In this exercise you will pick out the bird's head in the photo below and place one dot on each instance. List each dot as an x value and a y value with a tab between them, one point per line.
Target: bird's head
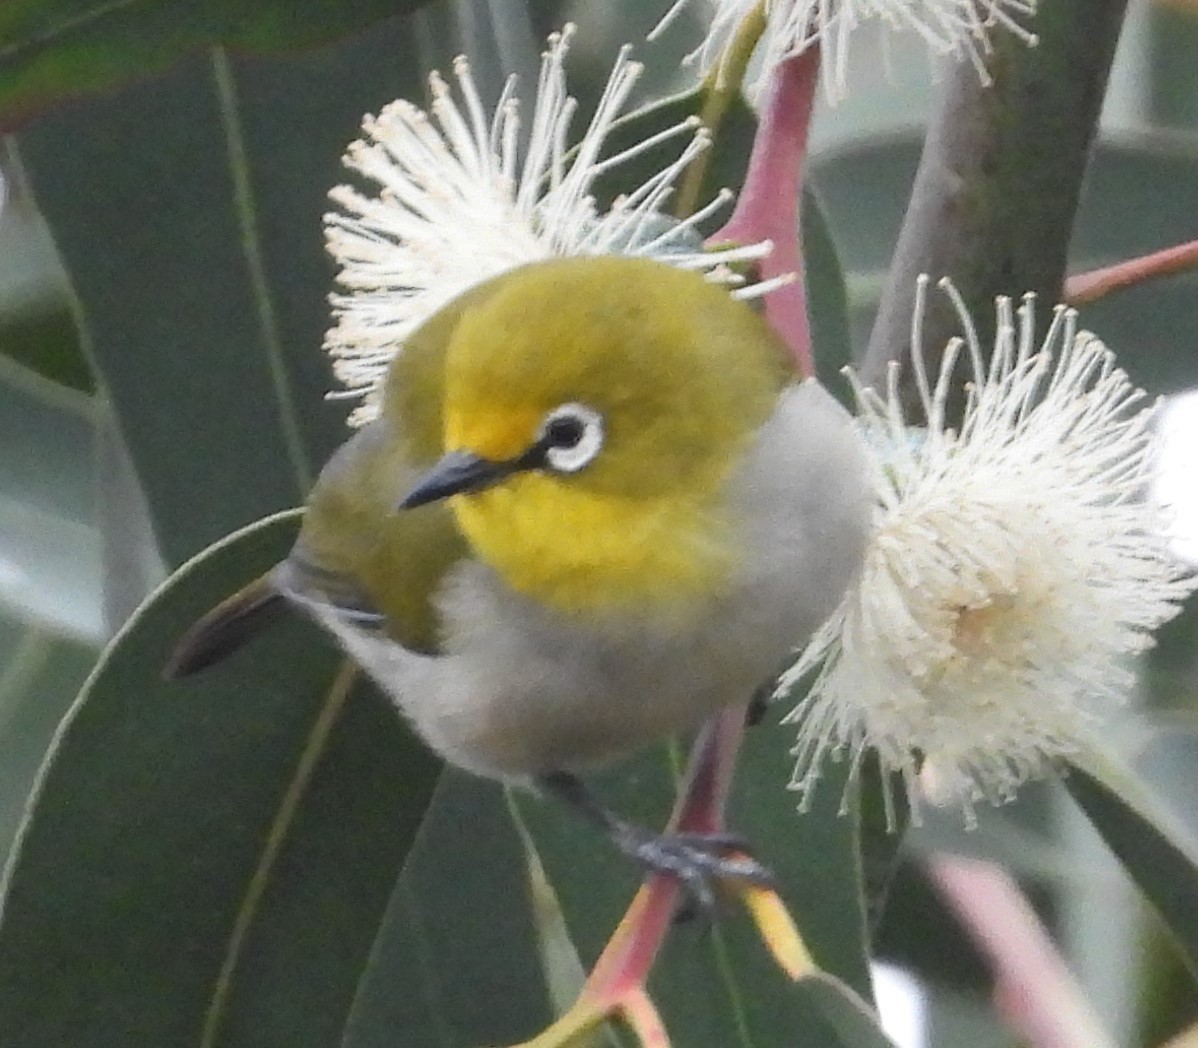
592	412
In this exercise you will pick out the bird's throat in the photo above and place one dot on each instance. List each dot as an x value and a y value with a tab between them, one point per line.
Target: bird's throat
595	555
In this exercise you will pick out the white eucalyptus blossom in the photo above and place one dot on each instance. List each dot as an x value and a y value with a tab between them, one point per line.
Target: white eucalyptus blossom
1015	564
459	201
959	29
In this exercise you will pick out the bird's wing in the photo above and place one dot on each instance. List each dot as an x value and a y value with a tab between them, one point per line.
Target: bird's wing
358	558
377	566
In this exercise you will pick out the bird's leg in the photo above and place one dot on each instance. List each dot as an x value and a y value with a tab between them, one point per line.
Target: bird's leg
759	705
697	859
615	988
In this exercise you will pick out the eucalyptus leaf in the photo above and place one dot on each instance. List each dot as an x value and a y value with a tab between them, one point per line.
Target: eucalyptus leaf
716	985
455	961
41	675
187	215
885	816
1156	849
51	50
854	1024
827	298
208	859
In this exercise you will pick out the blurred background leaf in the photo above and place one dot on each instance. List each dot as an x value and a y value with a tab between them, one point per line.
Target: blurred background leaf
51	50
199	852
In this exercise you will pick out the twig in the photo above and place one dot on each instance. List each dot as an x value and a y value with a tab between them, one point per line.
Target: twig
1090	287
1034	990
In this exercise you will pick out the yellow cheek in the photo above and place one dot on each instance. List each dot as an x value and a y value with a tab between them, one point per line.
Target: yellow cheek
498	435
580	552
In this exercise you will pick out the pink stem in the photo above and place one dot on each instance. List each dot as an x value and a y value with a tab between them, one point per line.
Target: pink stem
1034	990
1089	287
700	809
768	205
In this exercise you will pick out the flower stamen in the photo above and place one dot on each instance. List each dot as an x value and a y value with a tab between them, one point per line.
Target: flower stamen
960	29
1017	563
459	202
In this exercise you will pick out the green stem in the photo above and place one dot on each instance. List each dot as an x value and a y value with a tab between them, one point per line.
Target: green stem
720	89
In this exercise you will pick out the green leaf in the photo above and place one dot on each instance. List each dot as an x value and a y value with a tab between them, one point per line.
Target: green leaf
455	963
41	675
816	852
885	815
854	1024
827	298
208	858
187	214
1154	847
51	50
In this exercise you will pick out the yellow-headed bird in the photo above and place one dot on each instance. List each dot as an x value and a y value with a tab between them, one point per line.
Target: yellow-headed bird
596	508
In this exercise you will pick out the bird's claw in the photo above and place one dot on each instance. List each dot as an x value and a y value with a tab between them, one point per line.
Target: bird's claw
698	860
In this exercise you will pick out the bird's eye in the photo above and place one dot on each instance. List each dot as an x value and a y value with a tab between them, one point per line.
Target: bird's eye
571	435
564	431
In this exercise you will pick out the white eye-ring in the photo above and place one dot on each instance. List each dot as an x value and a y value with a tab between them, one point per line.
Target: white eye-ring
572	435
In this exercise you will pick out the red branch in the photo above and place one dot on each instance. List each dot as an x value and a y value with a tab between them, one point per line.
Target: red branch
768	205
1089	287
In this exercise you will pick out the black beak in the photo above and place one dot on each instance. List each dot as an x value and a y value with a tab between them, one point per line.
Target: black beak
458	472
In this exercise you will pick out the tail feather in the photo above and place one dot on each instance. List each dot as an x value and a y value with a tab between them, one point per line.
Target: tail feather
225	628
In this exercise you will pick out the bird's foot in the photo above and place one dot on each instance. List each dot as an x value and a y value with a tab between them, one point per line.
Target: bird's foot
700	861
697	854
616	988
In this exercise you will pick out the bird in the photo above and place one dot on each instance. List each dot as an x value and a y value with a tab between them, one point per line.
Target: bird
596	506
